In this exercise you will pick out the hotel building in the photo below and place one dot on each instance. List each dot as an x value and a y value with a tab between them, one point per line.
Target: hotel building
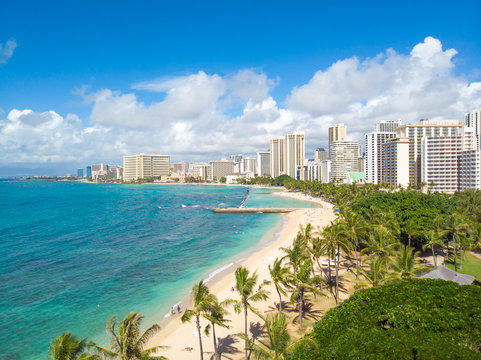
287	155
144	166
201	171
374	142
219	169
336	133
264	163
396	162
320	155
344	155
416	133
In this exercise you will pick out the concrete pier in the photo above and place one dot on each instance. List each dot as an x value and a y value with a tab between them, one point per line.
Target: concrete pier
252	210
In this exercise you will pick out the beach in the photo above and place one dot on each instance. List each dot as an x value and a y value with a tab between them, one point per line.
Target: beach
182	339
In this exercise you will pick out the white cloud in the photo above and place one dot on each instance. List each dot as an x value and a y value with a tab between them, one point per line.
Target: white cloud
6	51
191	118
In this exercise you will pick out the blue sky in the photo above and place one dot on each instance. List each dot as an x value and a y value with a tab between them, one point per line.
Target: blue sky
66	53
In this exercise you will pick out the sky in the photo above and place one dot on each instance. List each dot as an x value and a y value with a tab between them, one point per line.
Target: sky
91	81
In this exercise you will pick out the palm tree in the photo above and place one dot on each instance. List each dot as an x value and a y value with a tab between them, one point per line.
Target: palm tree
302	281
126	341
68	347
203	303
277	342
409	228
279	276
433	240
216	316
356	229
245	285
404	264
380	243
455	225
297	253
336	239
376	276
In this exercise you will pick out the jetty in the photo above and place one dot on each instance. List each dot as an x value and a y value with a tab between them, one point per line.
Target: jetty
252	210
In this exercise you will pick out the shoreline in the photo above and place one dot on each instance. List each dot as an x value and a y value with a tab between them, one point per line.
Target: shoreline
182	337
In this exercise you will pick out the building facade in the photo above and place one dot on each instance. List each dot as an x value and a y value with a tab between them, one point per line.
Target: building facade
396	162
320	155
326	171
473	120
264	163
415	134
344	155
219	169
287	155
144	166
80	173
336	133
374	158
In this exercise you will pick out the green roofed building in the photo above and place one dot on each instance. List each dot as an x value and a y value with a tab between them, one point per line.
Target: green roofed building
357	177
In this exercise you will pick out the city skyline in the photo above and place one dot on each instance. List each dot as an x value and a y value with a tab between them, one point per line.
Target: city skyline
61	108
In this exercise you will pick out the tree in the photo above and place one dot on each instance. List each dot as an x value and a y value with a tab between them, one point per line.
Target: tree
409	228
376	276
434	240
455	225
380	243
279	276
68	347
302	280
216	316
277	341
335	237
126	341
356	229
245	285
404	264
203	303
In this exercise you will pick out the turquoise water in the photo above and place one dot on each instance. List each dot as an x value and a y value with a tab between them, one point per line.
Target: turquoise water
68	247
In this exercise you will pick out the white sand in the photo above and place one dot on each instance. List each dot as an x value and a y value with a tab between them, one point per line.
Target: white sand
180	336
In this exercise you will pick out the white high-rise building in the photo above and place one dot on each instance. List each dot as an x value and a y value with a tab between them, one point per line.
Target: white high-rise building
396	162
447	162
415	134
144	166
264	163
336	133
313	171
388	126
287	155
473	120
201	171
249	165
344	155
326	171
374	158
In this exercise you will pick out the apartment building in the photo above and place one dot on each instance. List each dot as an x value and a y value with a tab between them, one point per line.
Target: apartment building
344	155
287	155
396	162
144	166
264	163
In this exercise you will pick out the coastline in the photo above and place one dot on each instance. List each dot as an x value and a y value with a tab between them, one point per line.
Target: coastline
181	337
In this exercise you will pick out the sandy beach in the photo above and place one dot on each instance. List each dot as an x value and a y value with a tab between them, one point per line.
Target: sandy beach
182	339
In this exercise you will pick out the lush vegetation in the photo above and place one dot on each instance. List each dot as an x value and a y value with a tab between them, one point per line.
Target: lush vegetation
409	319
471	265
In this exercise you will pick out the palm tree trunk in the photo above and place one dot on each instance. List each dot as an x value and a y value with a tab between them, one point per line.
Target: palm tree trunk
337	278
329	267
434	256
245	329
280	299
320	269
460	258
455	255
301	305
409	241
216	355
200	338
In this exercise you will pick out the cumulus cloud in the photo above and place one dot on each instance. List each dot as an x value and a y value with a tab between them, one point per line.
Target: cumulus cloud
6	51
193	119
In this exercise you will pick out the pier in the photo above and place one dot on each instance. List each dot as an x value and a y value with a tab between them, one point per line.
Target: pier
252	210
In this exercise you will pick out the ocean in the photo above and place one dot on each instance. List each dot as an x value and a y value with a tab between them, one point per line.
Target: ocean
73	254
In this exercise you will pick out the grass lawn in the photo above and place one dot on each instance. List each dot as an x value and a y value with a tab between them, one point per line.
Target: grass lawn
471	265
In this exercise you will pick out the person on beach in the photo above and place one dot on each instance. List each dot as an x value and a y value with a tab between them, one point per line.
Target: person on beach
178	309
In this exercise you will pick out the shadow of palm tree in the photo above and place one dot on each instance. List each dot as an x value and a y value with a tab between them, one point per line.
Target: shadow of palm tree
257	330
225	346
275	307
308	312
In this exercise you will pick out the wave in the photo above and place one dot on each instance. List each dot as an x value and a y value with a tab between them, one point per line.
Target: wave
184	206
216	271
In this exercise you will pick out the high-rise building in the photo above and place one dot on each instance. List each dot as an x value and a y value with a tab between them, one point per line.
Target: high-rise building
201	171
336	133
287	155
220	168
249	165
374	141
396	162
320	155
264	163
99	171
473	120
313	171
88	171
440	160
236	158
326	171
144	166
116	173
415	134
80	173
344	155
469	176
181	167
